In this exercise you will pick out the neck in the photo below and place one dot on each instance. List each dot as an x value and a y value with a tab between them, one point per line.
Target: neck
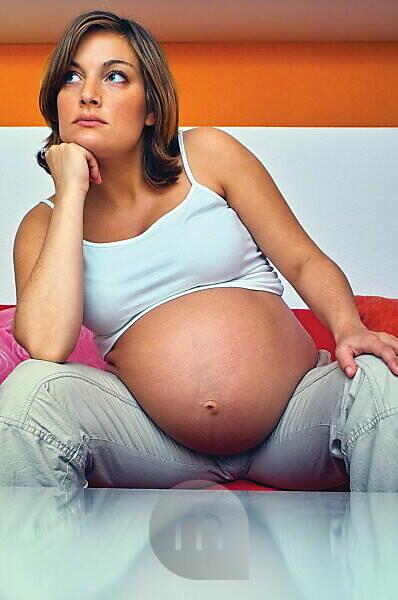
123	184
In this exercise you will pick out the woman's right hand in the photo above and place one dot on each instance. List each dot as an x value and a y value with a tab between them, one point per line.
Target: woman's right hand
72	167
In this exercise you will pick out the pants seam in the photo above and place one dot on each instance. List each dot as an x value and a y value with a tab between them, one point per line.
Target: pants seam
368	426
73	453
144	454
89	380
245	467
301	389
287	438
352	437
336	366
68	451
80	460
47	437
53	377
376	393
376	396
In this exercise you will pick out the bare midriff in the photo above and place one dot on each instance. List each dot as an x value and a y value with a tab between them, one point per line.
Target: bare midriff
216	368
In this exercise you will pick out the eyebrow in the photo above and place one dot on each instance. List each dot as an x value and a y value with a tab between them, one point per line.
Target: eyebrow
107	63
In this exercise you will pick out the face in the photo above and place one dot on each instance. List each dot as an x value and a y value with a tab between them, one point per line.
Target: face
116	97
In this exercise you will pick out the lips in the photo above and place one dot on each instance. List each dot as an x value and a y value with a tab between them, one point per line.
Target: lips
89	123
89	118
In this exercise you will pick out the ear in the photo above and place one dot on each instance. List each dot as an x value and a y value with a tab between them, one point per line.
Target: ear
150	119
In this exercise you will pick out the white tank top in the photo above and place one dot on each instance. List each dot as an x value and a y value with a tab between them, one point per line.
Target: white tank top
200	244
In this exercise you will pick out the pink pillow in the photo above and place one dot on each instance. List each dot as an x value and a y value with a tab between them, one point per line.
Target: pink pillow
12	353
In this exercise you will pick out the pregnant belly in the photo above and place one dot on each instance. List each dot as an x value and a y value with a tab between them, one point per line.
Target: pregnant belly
216	368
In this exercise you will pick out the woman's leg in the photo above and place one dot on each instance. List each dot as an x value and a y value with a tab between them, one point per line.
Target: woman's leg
335	431
71	424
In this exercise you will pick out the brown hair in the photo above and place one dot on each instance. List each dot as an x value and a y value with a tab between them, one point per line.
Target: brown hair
160	141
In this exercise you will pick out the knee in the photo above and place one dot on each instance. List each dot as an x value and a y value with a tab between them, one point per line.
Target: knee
29	372
383	384
19	388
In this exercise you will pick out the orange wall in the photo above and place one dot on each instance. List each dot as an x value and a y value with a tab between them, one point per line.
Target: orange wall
245	84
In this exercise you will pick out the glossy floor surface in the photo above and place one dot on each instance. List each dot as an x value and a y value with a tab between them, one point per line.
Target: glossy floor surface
196	543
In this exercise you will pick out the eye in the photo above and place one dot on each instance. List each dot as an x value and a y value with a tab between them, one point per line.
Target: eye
66	75
118	73
110	73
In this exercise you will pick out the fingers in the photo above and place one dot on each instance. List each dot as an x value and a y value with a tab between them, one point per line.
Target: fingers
97	180
379	343
386	353
390	358
393	341
350	371
346	361
95	174
387	350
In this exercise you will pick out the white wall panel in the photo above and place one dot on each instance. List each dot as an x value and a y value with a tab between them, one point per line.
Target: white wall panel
341	184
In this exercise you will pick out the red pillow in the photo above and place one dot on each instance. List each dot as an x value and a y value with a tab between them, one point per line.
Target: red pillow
378	313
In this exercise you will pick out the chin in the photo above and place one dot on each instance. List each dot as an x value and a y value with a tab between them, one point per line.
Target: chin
84	141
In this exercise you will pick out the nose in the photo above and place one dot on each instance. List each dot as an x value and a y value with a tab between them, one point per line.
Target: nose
89	96
87	99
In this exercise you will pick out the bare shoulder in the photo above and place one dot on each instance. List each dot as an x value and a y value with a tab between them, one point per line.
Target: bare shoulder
37	218
40	212
212	140
204	146
236	165
207	134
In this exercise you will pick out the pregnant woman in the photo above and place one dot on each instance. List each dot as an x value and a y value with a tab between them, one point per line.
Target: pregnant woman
157	240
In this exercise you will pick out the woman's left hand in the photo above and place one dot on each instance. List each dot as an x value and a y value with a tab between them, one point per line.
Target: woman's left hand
360	340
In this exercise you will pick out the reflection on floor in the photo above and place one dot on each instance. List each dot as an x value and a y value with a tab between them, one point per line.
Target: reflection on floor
197	543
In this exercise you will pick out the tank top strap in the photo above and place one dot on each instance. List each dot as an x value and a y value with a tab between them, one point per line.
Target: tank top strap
185	159
49	202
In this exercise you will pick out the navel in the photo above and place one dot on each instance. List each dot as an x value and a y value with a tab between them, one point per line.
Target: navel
211	407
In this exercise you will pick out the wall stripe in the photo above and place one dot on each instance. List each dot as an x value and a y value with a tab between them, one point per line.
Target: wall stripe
244	84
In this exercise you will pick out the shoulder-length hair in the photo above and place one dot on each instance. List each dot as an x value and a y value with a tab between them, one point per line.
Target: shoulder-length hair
160	148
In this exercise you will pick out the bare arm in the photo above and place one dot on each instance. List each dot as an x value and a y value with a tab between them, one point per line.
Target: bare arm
48	267
326	290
